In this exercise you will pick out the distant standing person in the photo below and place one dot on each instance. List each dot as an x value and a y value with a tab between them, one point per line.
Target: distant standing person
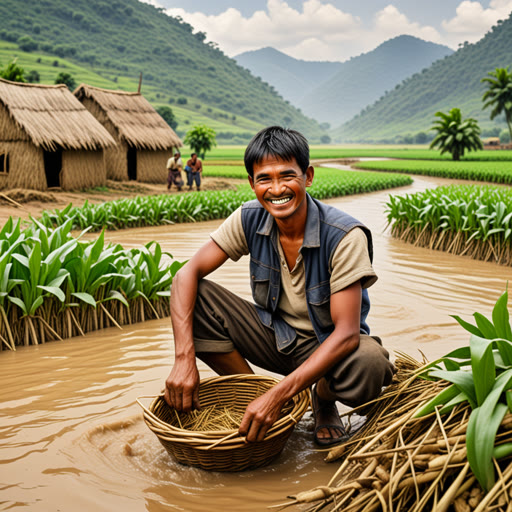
194	168
174	167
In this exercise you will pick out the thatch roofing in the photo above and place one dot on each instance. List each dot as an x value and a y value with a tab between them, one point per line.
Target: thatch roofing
52	117
136	121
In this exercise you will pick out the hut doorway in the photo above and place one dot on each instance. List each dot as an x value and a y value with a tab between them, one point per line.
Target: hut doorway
132	163
52	167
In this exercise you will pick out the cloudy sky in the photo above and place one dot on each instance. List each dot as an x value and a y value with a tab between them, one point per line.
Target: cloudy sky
335	29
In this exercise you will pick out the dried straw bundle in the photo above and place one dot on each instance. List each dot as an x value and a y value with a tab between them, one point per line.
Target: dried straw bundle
213	417
397	462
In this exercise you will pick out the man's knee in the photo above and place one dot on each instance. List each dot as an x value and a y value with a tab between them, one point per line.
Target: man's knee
361	377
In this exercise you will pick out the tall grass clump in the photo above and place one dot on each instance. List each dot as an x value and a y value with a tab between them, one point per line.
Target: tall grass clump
438	438
202	206
468	220
55	286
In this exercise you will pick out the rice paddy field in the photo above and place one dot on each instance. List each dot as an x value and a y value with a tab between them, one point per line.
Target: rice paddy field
409	152
496	171
473	220
208	205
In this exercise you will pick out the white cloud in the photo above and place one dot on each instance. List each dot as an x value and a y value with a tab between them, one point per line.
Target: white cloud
321	31
280	26
472	21
390	22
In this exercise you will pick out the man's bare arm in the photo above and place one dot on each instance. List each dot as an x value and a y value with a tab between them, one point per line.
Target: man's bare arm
182	385
345	312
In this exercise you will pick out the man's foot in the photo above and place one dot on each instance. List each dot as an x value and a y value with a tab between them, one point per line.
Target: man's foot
329	429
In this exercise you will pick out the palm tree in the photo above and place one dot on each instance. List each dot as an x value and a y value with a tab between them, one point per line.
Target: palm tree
455	135
499	95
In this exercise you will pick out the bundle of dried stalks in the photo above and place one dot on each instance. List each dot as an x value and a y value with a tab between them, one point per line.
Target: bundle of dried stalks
212	417
400	463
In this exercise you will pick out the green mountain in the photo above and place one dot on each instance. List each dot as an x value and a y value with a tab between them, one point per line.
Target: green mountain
293	78
363	79
120	39
450	82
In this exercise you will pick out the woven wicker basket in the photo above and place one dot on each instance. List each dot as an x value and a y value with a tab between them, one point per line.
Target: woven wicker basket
225	450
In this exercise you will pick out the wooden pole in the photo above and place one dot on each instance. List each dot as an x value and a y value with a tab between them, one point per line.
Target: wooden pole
140	82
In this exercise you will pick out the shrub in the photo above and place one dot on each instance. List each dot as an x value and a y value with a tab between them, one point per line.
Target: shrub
27	44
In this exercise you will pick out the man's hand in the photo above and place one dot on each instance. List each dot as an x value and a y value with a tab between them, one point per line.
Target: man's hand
182	387
260	415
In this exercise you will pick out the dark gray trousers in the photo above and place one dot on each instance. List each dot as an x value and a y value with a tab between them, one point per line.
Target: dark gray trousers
224	322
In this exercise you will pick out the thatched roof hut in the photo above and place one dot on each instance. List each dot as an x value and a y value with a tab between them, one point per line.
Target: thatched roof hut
48	138
144	140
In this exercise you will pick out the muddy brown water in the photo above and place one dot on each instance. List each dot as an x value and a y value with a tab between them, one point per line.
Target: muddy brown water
71	435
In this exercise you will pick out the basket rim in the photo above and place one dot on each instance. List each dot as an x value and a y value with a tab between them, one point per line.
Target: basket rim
205	439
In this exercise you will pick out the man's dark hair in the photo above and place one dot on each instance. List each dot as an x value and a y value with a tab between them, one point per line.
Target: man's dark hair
193	154
277	142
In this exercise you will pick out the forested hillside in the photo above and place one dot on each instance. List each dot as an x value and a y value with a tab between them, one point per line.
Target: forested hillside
363	79
454	81
123	38
293	78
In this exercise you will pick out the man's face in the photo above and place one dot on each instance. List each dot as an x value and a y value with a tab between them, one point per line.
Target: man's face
280	186
176	156
193	158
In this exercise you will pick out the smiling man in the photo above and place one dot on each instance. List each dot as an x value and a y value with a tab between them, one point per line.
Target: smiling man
310	267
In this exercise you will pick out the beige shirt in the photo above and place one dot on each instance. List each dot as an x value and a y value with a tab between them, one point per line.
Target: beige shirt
350	263
175	164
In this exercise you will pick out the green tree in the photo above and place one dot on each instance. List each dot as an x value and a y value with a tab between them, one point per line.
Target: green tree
455	135
67	79
168	116
27	44
13	72
33	77
505	136
499	94
420	138
201	139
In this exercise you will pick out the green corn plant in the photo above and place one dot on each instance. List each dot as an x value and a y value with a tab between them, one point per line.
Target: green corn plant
168	209
480	374
51	282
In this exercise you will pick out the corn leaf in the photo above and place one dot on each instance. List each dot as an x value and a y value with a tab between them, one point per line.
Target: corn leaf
484	369
501	319
469	327
54	290
505	351
85	297
488	330
442	398
463	380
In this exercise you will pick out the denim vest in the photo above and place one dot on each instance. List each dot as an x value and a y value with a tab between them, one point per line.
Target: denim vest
325	227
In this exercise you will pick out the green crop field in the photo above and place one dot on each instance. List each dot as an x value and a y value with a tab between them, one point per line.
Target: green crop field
55	286
461	219
207	205
370	151
495	172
